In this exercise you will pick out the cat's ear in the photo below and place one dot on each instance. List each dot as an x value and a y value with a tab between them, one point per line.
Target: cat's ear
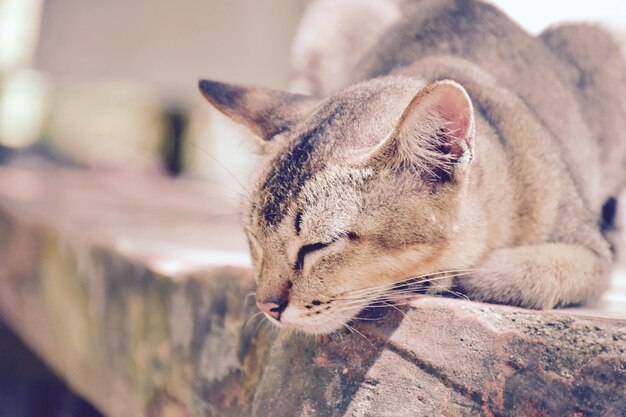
264	112
434	135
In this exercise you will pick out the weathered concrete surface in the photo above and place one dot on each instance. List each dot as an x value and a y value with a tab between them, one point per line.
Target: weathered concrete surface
139	337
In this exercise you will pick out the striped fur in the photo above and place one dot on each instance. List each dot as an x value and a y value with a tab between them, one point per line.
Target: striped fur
454	144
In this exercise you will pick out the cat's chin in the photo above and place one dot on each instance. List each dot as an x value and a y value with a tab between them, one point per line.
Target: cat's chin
315	324
316	329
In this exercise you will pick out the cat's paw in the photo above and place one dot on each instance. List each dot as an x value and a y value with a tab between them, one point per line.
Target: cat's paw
517	288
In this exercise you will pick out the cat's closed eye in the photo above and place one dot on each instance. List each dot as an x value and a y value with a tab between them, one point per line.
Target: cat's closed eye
308	249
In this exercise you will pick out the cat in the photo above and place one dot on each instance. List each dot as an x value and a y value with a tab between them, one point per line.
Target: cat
458	148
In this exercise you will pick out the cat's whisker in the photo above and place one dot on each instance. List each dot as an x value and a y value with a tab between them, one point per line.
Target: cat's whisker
207	153
394	306
393	295
368	302
354	330
237	197
184	227
418	280
382	286
350	318
332	335
396	288
222	197
268	323
248	296
260	323
379	293
389	293
348	303
216	217
347	326
244	305
455	293
412	278
360	318
252	318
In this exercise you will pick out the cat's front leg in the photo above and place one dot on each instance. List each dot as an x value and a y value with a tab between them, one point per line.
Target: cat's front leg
540	276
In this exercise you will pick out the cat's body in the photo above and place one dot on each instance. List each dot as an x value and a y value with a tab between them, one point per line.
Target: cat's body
503	175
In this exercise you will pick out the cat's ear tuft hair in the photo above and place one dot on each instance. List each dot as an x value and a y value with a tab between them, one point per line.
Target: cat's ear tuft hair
434	135
264	112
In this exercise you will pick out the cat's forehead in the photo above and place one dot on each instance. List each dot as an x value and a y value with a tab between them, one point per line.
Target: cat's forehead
328	201
347	123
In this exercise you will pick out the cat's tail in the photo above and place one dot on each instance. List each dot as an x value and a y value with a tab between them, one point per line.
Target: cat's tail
332	37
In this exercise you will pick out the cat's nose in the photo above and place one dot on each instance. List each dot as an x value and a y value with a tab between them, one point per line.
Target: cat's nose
273	306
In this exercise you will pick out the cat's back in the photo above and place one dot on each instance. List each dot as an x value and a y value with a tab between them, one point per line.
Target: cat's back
534	68
595	67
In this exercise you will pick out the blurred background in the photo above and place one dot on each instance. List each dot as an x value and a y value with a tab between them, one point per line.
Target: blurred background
112	85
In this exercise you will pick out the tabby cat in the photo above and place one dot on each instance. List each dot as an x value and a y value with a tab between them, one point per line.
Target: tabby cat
450	151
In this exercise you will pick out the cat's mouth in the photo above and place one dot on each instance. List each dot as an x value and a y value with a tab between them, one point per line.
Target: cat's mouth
342	311
330	318
319	321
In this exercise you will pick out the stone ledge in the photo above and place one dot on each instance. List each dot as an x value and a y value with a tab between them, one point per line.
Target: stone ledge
139	340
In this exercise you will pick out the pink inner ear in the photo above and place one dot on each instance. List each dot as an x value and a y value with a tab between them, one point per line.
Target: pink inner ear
453	106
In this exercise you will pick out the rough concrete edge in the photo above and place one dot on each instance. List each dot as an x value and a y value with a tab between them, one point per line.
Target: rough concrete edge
88	257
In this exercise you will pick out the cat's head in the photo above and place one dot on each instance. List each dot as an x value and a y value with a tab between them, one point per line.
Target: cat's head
356	191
